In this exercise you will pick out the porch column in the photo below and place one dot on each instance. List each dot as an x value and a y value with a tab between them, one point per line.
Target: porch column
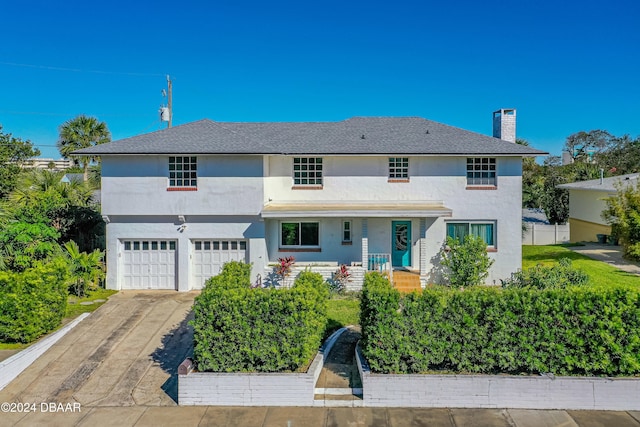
365	244
423	246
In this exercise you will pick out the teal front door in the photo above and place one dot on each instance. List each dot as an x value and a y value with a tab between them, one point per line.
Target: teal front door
401	245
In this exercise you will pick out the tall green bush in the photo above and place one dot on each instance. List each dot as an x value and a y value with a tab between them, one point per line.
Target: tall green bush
571	331
242	329
623	214
32	303
467	262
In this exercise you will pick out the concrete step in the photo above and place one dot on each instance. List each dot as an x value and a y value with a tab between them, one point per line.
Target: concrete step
346	398
406	281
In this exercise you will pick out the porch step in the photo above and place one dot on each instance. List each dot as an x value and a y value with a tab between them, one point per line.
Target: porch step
406	281
348	397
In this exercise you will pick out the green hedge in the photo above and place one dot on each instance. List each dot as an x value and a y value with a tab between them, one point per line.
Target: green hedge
33	302
572	331
240	329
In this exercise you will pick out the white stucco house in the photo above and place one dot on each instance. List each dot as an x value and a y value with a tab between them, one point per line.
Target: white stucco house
370	193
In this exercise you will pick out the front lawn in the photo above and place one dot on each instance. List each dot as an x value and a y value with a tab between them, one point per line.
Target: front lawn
599	272
342	310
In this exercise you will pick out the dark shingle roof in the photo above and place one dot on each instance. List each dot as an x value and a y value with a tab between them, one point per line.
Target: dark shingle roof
358	135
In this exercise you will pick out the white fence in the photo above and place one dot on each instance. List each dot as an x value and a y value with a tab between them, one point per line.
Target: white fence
545	234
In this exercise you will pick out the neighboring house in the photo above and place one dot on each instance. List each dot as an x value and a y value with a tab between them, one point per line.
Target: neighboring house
586	203
366	192
72	177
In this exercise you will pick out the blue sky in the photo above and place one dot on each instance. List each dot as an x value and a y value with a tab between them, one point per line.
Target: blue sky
566	66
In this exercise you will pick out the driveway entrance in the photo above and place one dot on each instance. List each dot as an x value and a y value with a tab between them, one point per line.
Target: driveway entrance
126	353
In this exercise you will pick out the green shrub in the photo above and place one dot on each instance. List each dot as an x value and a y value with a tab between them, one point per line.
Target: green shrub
572	331
467	262
32	303
234	274
242	329
560	275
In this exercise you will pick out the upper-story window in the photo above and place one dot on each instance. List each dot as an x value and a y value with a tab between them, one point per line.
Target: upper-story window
398	168
481	171
307	171
183	172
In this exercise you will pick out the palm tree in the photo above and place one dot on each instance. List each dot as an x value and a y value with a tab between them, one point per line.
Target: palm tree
82	132
87	269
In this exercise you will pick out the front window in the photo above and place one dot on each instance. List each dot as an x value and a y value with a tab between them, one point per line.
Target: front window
399	168
300	233
307	171
346	231
485	230
481	171
183	171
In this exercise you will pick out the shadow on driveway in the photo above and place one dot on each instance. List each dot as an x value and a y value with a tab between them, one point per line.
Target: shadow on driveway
177	345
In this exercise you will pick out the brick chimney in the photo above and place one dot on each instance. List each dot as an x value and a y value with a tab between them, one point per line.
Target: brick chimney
504	124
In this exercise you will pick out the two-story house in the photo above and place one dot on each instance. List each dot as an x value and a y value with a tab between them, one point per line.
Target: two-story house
371	193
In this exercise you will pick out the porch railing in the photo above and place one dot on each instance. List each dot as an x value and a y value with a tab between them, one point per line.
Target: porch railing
380	263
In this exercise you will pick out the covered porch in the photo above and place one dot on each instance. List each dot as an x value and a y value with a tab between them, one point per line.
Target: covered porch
386	237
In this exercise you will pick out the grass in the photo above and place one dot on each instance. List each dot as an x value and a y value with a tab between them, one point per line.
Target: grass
74	309
600	273
342	310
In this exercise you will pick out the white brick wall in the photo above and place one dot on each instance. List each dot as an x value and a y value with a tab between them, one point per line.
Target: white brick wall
327	271
498	391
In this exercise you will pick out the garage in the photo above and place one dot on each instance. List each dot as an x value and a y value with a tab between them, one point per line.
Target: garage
149	264
210	255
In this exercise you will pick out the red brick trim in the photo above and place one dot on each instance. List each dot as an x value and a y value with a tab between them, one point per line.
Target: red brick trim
299	249
347	243
182	188
307	187
492	250
481	187
398	180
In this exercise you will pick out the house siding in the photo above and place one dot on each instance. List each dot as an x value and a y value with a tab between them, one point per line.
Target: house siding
233	189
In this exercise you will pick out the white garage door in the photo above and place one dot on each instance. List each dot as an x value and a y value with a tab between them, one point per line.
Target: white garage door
210	255
149	264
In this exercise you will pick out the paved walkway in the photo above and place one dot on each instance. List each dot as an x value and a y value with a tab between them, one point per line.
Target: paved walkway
610	254
118	368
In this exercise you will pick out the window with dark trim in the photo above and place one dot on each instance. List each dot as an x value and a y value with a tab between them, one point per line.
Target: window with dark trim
346	231
481	171
307	171
300	234
399	168
485	230
183	171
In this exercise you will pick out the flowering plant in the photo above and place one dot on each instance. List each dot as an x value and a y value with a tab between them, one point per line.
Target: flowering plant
284	266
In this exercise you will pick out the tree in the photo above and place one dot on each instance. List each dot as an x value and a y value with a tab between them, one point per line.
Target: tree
86	269
41	197
532	180
584	146
623	215
14	152
467	261
623	158
82	132
554	200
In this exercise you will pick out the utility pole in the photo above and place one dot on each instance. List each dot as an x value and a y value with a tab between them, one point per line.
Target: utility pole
169	100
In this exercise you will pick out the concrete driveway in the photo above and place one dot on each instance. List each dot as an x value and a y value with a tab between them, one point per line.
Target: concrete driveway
126	353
